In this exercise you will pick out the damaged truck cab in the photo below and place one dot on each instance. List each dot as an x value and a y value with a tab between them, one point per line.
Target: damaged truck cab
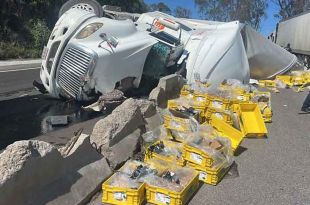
87	55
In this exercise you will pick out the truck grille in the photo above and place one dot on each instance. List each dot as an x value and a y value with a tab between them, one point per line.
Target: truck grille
74	66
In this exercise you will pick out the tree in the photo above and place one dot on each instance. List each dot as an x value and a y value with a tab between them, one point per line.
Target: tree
160	7
181	12
288	8
26	24
15	17
246	11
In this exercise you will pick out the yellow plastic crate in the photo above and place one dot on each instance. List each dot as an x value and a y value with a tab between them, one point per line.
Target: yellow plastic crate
160	165
307	77
252	122
199	157
236	90
197	100
173	159
209	175
186	89
122	196
217	103
287	79
241	98
267	114
174	105
176	123
212	113
179	136
265	107
162	196
227	131
267	83
297	80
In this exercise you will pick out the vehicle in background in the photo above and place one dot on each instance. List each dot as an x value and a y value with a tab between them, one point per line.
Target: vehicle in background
94	50
293	35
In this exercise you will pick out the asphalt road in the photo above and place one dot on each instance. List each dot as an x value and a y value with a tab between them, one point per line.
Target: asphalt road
17	80
275	170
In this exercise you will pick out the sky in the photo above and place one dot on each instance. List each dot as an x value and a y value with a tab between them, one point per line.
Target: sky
268	24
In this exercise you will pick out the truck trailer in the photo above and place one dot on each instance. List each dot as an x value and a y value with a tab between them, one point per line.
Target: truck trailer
293	34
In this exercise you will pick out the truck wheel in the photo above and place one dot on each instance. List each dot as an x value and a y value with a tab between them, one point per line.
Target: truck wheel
88	5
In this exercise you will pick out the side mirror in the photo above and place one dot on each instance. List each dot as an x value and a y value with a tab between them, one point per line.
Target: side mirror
113	41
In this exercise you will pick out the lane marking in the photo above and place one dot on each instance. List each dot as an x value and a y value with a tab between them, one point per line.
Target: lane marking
15	70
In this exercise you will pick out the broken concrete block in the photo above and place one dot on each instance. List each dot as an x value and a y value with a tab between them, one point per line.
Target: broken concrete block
125	119
124	149
172	85
25	167
64	150
77	156
153	122
147	107
34	172
78	187
159	97
58	120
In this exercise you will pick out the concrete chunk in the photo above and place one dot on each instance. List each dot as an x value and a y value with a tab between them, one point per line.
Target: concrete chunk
123	150
25	167
171	84
34	172
125	119
147	107
79	187
159	97
153	122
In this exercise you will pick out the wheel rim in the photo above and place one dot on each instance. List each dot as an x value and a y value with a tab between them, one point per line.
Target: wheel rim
85	7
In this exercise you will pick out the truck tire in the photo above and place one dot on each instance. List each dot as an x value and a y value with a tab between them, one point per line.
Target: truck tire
89	5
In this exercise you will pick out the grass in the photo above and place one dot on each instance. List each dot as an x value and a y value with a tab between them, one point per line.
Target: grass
16	51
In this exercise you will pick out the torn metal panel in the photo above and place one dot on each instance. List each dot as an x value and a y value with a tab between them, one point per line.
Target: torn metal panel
266	59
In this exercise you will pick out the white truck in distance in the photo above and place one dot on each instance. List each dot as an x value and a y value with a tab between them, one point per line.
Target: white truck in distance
93	50
293	34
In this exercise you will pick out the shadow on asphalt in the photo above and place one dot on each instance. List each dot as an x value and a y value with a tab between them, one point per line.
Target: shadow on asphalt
240	150
26	117
233	172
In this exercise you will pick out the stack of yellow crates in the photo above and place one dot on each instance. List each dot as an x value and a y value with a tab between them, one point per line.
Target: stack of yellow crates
200	134
155	182
211	157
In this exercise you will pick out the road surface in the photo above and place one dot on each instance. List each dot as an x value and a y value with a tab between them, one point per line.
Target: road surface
16	80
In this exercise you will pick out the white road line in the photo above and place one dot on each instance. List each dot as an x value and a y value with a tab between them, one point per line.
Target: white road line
21	69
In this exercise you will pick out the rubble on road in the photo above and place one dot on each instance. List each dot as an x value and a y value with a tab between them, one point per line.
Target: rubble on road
118	136
114	97
169	87
46	175
148	108
124	120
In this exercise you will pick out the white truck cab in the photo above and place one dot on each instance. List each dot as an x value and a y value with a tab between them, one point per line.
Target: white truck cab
88	55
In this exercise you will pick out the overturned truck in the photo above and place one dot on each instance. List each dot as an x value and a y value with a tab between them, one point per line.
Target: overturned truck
94	50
